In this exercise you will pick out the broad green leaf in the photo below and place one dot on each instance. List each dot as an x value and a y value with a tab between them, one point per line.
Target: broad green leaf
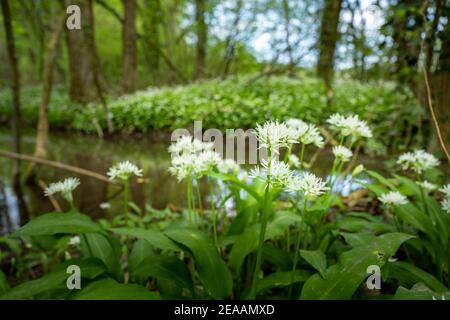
342	279
247	242
211	269
4	286
420	292
316	259
409	274
358	239
58	222
173	278
282	279
277	257
108	289
156	238
381	179
106	249
352	224
56	279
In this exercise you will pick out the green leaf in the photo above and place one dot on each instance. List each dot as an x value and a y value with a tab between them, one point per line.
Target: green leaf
381	179
106	249
282	279
342	279
172	275
58	222
408	274
316	259
156	238
420	292
358	239
211	269
109	289
4	286
56	279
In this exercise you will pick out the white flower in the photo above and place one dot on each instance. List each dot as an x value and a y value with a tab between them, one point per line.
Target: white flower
274	135
350	125
185	165
186	145
393	198
272	173
446	190
74	241
308	184
123	171
417	161
342	153
64	187
445	204
304	132
208	160
294	160
427	186
228	165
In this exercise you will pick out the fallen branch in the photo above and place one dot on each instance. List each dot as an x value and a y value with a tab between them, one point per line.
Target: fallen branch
55	164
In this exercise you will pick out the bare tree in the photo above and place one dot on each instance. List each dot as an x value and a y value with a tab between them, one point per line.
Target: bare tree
327	43
202	38
42	127
129	56
15	86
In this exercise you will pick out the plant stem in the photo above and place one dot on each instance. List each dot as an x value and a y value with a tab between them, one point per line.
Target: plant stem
125	200
213	213
262	234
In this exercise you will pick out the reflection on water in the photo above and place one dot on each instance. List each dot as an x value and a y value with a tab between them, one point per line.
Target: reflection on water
97	198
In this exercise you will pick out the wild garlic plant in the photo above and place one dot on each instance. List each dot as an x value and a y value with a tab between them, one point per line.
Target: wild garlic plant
65	188
122	172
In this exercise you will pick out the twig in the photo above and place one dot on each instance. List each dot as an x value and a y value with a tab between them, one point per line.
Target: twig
54	202
433	116
55	164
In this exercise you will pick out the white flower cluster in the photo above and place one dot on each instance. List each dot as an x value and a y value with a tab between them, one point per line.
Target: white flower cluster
427	186
308	184
192	158
393	198
273	135
305	133
417	161
274	173
342	153
74	241
445	203
64	187
123	171
350	125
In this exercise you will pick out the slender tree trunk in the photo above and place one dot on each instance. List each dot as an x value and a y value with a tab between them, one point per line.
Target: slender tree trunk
42	127
202	35
289	50
15	86
327	43
129	57
94	61
152	24
442	80
230	43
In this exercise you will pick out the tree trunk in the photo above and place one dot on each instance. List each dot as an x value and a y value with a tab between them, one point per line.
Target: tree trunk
129	58
230	42
327	43
79	71
15	86
94	61
442	80
42	127
286	13
202	35
152	25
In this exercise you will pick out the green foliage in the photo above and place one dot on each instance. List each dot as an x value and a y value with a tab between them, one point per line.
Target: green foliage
232	103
